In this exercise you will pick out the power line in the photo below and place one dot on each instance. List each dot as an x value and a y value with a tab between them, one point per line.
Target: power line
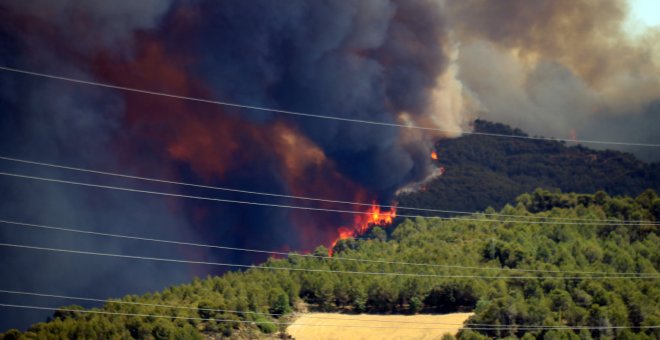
190	317
156	180
49	227
115	301
124	302
81	252
288	196
495	327
296	113
287	206
213	309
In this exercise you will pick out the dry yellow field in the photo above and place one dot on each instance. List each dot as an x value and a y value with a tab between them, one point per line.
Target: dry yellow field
307	326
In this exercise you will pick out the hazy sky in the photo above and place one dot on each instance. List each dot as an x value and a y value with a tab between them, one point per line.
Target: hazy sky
646	12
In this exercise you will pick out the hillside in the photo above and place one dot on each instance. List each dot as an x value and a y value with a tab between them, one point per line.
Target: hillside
503	295
484	171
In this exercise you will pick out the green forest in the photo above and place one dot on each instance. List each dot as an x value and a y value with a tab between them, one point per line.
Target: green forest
483	171
515	288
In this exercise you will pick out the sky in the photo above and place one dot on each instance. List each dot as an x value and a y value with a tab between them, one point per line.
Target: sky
645	12
559	68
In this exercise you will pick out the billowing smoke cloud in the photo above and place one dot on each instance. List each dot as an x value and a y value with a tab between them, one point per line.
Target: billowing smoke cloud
368	60
547	66
389	61
552	67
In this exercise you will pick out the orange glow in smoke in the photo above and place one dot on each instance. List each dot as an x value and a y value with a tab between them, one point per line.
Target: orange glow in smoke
434	156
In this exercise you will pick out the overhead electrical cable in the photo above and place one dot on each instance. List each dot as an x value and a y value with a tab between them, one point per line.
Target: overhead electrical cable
221	264
201	245
157	305
251	192
467	326
288	206
302	114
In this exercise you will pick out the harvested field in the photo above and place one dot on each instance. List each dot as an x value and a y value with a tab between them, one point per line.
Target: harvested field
307	326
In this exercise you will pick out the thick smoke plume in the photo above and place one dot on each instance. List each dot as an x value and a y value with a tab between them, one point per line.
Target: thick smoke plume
389	61
547	66
369	60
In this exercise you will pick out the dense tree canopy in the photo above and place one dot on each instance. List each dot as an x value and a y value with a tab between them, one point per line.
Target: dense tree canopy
579	239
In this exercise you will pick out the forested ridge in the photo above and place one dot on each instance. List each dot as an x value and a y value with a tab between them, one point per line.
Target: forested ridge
486	171
480	240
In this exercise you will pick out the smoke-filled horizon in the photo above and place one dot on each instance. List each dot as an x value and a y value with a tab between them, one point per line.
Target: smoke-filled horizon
431	62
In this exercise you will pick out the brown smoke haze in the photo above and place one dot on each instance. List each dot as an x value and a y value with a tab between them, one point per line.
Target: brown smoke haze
555	66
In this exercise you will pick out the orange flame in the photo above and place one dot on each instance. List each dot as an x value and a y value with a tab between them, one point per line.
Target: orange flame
364	222
344	233
434	156
373	217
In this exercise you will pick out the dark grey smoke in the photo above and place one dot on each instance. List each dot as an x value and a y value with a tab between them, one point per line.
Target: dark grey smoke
366	60
361	59
65	124
60	123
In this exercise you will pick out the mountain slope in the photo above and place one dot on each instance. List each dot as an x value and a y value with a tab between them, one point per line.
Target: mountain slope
544	299
484	171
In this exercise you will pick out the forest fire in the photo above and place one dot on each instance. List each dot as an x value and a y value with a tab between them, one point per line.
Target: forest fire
434	156
374	216
364	222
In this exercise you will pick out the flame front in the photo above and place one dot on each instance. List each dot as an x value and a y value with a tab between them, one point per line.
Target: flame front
344	233
434	156
374	217
364	222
